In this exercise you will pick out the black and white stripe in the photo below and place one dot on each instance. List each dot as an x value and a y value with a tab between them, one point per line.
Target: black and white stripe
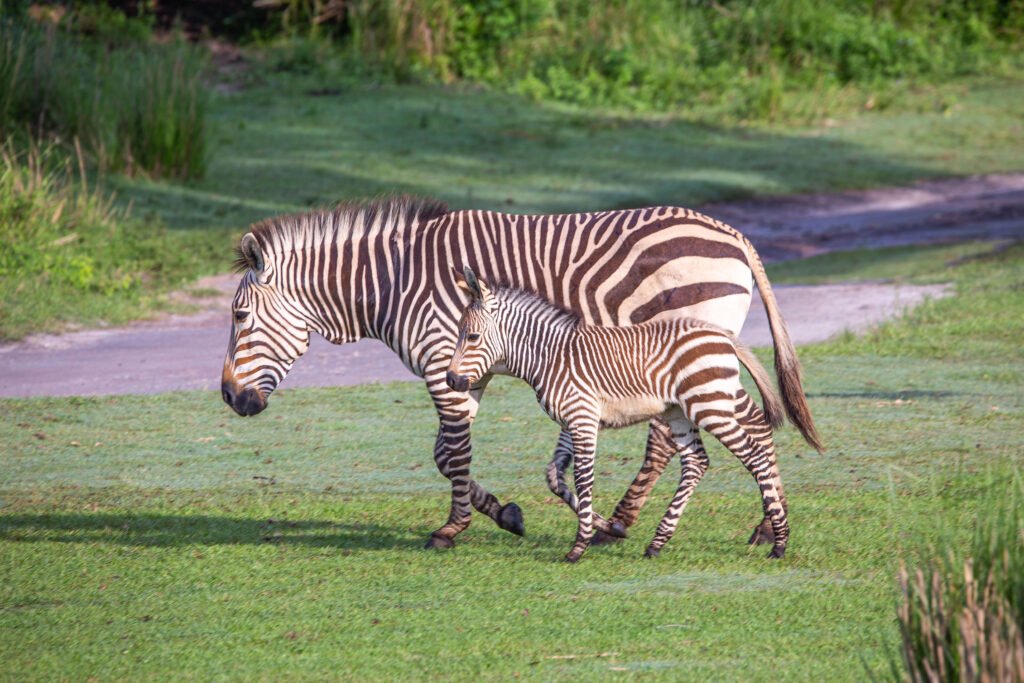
685	371
383	269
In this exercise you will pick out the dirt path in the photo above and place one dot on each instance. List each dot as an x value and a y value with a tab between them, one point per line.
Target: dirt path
186	352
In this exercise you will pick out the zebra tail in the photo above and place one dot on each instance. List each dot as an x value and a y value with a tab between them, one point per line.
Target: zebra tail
787	365
773	408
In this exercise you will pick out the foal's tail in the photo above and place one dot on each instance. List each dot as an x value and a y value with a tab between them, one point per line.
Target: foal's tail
787	366
773	408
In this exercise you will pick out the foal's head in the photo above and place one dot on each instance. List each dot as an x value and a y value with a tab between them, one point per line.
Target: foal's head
479	346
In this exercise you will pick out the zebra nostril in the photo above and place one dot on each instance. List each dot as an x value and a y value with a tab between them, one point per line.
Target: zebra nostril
228	395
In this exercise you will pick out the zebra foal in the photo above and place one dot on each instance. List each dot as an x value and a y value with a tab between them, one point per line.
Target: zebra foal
587	376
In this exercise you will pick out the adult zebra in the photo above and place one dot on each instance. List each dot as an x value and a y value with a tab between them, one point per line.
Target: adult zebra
384	269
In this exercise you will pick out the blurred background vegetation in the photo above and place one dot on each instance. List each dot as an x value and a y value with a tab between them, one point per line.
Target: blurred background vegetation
145	97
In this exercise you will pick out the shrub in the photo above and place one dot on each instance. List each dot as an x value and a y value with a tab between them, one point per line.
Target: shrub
740	58
962	619
67	254
137	109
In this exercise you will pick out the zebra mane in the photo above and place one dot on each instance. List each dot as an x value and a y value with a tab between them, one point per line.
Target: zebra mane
345	220
533	300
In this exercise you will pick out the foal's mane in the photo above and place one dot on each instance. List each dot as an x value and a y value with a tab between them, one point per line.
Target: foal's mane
534	300
345	220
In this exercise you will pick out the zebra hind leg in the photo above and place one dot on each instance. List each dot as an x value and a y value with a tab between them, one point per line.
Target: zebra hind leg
694	461
758	456
660	449
754	421
607	531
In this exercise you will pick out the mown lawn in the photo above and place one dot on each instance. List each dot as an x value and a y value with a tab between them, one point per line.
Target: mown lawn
161	537
288	143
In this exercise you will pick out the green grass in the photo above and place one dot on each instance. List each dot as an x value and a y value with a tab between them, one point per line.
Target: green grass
161	536
984	321
137	109
279	148
917	264
741	60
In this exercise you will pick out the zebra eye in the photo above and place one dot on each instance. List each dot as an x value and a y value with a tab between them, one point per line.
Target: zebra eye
240	316
473	337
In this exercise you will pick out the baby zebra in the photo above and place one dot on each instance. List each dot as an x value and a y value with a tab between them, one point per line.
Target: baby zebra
587	377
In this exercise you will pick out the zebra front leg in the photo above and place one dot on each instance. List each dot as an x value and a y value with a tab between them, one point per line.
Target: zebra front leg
660	449
694	463
452	455
607	532
759	458
584	441
510	516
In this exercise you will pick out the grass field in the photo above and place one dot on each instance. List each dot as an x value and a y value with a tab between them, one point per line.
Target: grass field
162	537
286	143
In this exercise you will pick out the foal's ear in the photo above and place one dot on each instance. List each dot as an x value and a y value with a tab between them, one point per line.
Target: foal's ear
460	280
250	253
477	288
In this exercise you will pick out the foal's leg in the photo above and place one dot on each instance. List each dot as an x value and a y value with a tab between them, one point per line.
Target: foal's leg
759	459
584	441
694	464
606	531
754	421
660	449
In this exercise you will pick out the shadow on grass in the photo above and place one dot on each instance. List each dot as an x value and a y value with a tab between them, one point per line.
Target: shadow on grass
155	530
907	395
182	530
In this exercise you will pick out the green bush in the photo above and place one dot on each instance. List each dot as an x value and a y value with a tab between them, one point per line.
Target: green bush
741	59
138	109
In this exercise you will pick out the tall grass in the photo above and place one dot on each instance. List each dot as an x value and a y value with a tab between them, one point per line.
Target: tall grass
138	109
742	58
962	618
67	254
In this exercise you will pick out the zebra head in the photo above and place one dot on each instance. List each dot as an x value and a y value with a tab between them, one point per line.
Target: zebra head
479	346
269	332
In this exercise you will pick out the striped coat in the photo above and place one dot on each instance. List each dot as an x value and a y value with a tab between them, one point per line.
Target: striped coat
685	371
383	270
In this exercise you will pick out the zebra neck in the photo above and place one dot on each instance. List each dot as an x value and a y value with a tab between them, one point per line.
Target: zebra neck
532	345
343	307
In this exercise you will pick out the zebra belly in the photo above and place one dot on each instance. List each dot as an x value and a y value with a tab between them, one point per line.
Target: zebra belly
622	411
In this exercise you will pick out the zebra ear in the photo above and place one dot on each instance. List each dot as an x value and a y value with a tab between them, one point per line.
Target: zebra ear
472	284
460	280
250	252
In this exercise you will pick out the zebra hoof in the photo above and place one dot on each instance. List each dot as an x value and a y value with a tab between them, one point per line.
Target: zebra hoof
651	553
573	557
618	530
763	534
776	553
510	518
439	542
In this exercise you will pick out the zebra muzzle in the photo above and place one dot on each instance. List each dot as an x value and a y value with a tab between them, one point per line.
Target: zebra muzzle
246	402
457	382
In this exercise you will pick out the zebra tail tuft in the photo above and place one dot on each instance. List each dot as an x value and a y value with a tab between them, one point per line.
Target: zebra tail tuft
787	365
